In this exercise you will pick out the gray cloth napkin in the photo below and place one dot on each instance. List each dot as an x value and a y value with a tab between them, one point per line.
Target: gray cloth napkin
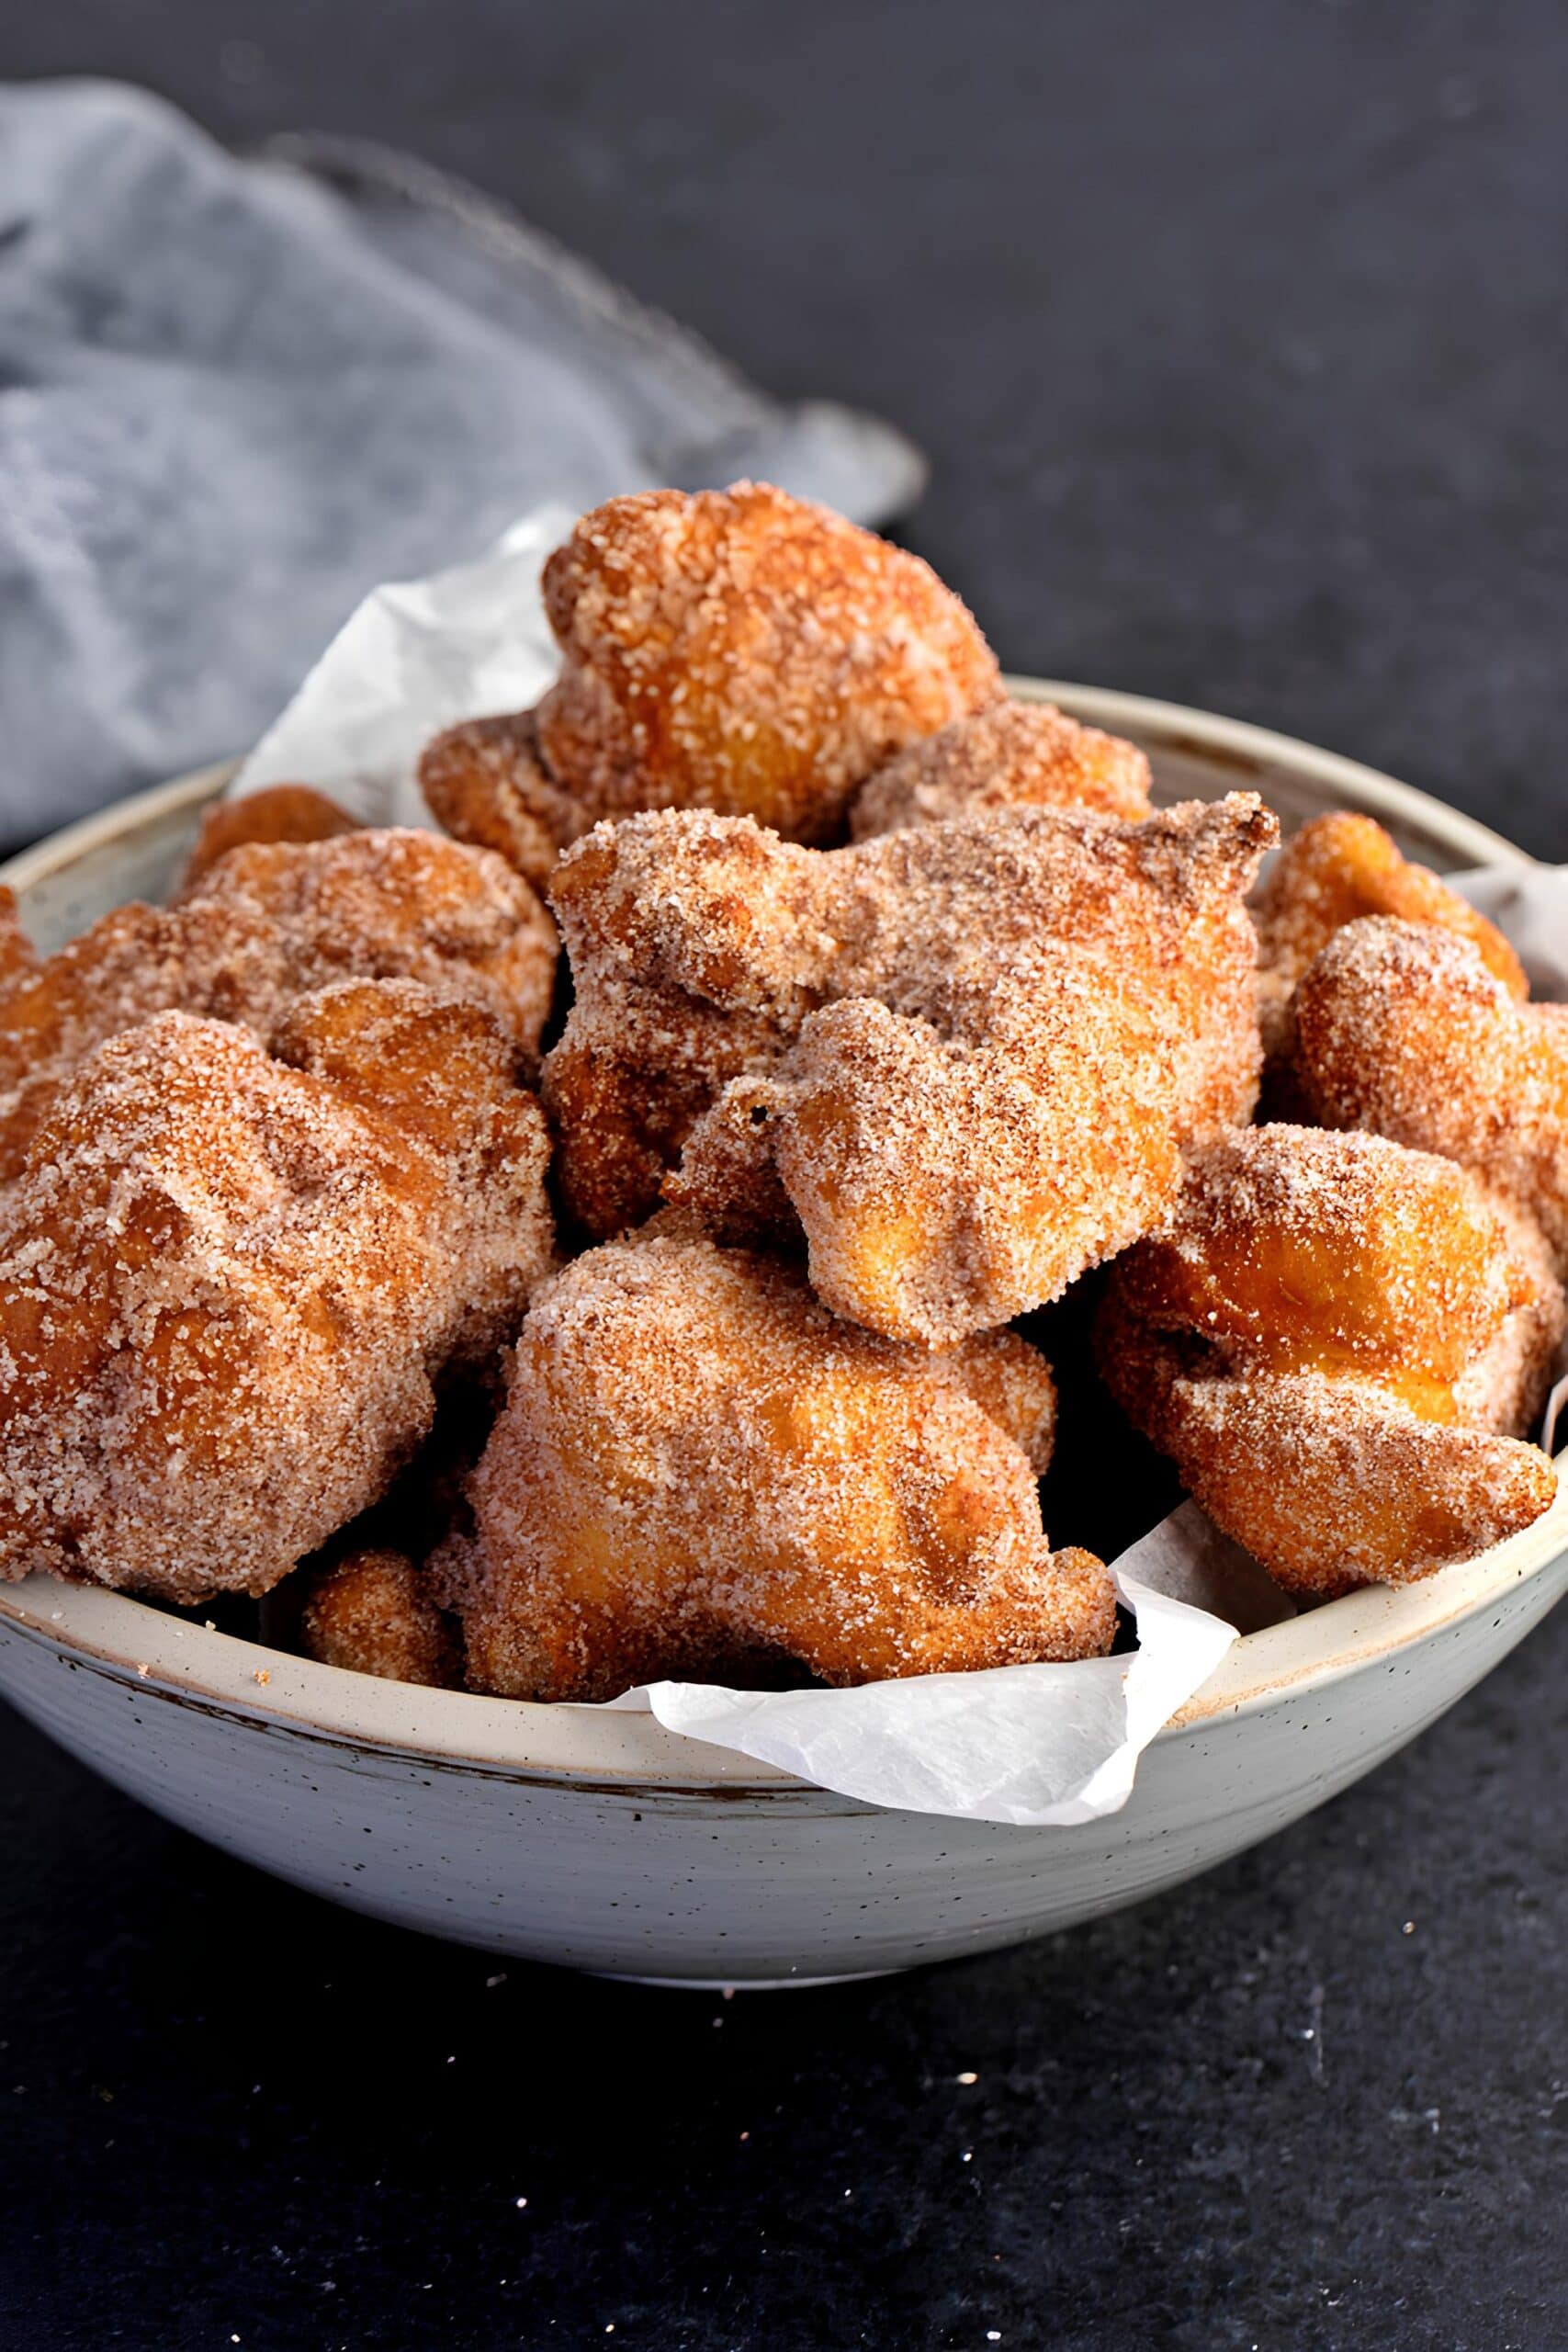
235	395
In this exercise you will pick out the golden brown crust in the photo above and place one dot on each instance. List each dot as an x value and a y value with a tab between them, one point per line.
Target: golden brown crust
226	1284
746	651
1337	1341
134	963
737	650
1009	755
280	812
267	925
443	1076
399	903
1011	1384
1403	1029
698	1466
1336	870
970	1054
373	1614
486	783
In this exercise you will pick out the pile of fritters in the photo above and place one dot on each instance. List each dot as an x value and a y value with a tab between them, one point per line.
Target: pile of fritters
552	1337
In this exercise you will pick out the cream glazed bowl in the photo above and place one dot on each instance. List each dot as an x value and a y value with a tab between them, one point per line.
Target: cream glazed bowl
606	1842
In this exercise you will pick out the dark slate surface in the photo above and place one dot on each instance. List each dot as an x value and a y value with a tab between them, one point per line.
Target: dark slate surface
1236	332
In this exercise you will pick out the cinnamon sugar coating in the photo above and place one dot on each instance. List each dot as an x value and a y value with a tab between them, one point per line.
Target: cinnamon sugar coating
737	650
486	783
1009	755
228	1280
1339	1342
266	924
1403	1030
398	903
373	1614
17	952
280	812
965	1059
699	1472
1337	869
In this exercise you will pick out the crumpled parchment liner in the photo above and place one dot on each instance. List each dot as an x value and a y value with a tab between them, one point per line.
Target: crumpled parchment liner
1029	1745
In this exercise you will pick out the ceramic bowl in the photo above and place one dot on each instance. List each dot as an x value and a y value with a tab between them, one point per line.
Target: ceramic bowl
606	1842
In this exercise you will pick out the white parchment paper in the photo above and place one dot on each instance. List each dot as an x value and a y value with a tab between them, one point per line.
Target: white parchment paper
416	656
1032	1745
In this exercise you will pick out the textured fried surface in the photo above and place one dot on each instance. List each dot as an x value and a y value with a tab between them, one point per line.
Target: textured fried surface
965	1057
1009	755
16	954
1337	1339
485	783
282	812
1403	1030
698	1471
269	924
373	1614
1338	868
399	903
737	650
226	1284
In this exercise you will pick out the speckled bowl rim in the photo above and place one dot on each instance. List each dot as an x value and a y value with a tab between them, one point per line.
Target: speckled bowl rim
127	1640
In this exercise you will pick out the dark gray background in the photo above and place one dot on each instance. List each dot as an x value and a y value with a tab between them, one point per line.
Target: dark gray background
1235	330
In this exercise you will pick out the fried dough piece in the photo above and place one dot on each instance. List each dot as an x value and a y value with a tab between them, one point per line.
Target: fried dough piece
735	650
1404	1030
1337	869
396	902
965	1058
227	1284
486	783
1009	755
17	952
1339	1342
269	924
698	1471
373	1613
280	812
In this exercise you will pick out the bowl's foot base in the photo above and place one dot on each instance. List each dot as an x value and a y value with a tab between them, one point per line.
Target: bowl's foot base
726	1985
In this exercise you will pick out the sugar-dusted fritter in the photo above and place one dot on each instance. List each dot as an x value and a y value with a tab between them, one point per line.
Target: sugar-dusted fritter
737	650
700	1472
1336	870
965	1058
268	924
1009	755
486	783
399	903
373	1613
1406	1031
229	1279
1340	1341
280	812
